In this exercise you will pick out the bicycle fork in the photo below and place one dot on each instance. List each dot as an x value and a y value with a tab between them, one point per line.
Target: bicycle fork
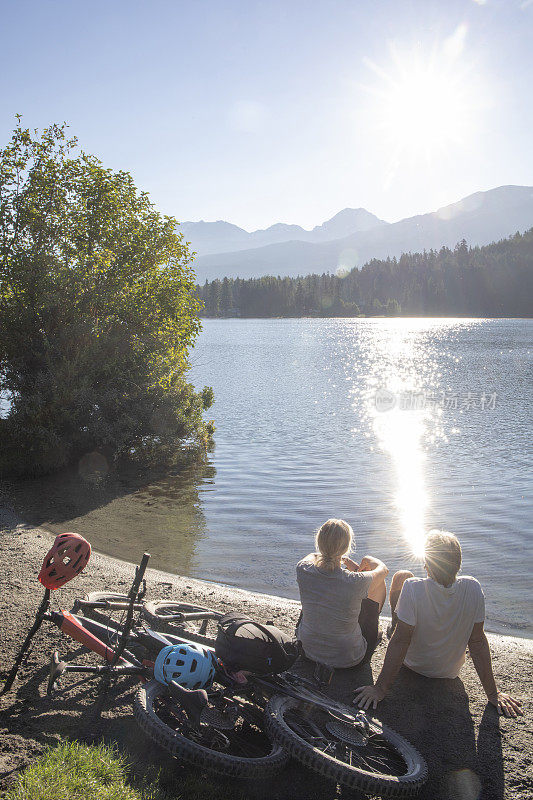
41	615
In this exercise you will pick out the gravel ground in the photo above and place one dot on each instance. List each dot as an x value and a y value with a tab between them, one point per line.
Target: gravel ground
471	753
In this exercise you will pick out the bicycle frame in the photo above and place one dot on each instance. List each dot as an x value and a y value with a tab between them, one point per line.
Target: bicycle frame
119	661
69	624
292	685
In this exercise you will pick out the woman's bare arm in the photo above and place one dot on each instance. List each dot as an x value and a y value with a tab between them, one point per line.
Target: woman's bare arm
370	566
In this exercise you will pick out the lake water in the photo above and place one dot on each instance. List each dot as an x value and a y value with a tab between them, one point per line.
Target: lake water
396	425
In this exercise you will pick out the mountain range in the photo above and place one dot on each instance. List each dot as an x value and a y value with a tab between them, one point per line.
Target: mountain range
209	238
354	236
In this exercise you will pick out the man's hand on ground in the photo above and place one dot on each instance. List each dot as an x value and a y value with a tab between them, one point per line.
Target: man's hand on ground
366	696
506	705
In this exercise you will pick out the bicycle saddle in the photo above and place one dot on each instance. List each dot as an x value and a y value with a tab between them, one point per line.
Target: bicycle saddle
193	701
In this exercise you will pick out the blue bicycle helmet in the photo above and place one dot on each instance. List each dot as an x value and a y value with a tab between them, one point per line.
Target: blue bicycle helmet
190	665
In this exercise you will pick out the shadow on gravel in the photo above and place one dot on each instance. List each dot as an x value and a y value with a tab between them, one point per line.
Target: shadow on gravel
490	756
91	711
433	715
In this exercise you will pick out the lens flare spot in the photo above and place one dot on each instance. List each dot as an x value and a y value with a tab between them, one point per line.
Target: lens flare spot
463	784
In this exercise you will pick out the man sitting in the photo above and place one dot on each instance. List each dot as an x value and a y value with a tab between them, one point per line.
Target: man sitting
434	620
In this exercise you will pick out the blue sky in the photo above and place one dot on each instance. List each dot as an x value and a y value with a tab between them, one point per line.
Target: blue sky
258	112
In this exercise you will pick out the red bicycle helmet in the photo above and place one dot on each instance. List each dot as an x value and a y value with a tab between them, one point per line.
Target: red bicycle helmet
66	558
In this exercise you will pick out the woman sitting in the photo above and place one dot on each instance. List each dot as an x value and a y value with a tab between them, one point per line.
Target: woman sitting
341	600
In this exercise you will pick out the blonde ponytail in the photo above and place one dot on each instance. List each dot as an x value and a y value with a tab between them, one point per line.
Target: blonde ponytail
333	540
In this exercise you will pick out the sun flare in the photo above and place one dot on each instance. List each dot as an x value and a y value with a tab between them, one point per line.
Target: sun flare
425	103
424	108
400	433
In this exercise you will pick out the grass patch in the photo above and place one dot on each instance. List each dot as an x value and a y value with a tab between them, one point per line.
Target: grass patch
74	771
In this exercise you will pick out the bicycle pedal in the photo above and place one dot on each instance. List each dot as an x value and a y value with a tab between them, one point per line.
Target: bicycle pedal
221	720
57	668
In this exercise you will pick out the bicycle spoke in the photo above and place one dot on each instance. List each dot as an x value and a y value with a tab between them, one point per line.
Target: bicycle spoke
374	754
244	740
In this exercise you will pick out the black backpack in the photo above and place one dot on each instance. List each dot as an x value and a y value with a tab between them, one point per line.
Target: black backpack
242	643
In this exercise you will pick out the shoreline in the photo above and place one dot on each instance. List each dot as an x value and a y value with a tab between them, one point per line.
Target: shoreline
512	630
448	721
504	627
501	629
370	316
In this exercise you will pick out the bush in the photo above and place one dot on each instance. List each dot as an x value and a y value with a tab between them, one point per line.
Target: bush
97	312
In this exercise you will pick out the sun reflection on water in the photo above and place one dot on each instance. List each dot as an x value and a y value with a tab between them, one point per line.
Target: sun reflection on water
400	434
399	353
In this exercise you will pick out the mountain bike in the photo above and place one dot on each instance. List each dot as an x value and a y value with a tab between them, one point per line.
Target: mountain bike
129	649
236	729
329	737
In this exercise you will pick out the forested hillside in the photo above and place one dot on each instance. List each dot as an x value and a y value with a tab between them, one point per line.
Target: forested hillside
480	218
495	280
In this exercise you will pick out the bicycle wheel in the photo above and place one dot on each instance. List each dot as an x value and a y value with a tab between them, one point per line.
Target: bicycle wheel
165	615
231	741
377	760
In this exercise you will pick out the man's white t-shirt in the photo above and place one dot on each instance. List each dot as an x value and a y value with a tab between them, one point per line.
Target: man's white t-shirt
443	618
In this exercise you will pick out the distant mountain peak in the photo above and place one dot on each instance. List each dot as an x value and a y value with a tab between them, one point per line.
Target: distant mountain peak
346	222
481	218
209	238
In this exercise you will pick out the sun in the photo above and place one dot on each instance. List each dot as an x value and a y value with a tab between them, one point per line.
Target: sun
424	108
425	102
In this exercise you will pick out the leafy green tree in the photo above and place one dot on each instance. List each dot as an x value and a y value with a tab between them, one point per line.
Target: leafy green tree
214	298
97	311
299	299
